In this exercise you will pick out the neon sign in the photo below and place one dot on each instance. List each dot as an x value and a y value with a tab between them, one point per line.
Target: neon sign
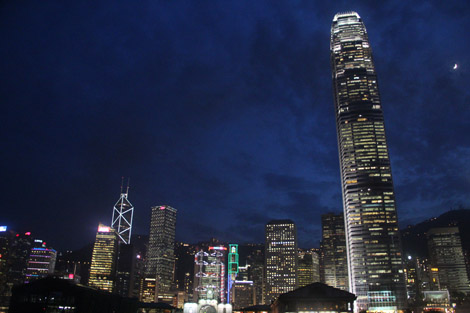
103	229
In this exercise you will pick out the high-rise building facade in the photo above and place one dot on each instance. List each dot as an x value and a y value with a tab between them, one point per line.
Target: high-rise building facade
334	263
123	214
373	242
281	258
316	264
160	258
305	268
103	259
445	251
15	249
41	263
210	274
256	272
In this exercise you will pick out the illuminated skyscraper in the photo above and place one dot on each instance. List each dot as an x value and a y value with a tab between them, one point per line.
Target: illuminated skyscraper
41	263
103	260
334	261
373	243
160	258
305	268
210	274
123	213
281	258
445	250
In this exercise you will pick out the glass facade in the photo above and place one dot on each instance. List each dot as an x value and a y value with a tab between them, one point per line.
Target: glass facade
333	251
445	251
160	260
41	263
103	259
281	258
373	242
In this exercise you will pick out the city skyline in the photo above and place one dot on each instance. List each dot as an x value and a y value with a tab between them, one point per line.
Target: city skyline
232	122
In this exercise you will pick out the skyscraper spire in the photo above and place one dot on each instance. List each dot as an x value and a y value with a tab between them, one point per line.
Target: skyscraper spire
373	242
123	213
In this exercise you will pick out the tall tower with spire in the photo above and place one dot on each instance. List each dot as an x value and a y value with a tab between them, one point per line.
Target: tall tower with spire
123	212
373	241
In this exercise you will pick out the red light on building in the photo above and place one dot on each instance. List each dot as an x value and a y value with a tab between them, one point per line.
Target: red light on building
71	276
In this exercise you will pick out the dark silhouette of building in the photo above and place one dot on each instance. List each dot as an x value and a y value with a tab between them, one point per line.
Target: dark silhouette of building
373	241
334	262
316	297
15	249
445	251
59	295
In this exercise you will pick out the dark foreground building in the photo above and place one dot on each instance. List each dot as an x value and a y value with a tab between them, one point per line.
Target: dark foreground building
373	243
316	297
58	295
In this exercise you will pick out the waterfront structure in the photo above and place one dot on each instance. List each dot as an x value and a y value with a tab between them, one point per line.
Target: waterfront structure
316	297
373	243
41	263
65	296
334	263
160	258
103	259
281	258
445	251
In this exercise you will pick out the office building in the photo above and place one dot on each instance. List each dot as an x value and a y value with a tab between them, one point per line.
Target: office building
41	263
281	258
305	268
316	264
242	294
210	274
15	250
256	272
160	258
334	263
373	242
123	214
103	259
445	251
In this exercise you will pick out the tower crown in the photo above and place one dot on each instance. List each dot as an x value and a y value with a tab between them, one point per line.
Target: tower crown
345	14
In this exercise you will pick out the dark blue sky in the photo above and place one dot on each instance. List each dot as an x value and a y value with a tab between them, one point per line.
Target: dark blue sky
221	109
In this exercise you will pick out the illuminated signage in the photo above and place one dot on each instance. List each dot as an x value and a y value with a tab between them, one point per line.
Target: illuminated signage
217	248
28	233
103	229
162	208
71	276
3	228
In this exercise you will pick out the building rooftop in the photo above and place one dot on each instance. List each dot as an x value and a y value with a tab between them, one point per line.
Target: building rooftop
318	291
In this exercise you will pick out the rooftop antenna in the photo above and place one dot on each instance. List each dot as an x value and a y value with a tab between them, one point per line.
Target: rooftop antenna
128	183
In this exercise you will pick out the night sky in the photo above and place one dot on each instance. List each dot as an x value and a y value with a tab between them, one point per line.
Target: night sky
221	109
